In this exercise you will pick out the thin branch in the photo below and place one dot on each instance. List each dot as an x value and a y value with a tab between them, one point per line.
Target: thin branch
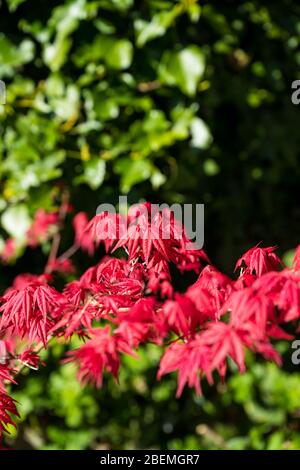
69	252
145	87
57	237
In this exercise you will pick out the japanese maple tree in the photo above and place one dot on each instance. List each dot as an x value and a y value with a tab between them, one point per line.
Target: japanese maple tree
125	301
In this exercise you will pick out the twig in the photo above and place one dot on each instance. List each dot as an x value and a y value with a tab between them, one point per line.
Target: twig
57	237
145	87
69	252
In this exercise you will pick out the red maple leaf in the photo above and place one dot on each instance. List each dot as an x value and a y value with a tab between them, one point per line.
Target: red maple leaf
5	374
140	323
7	407
190	360
224	341
259	261
44	224
26	312
82	236
210	292
181	315
107	228
98	354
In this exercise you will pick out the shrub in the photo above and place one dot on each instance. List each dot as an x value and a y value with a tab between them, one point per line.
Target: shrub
121	303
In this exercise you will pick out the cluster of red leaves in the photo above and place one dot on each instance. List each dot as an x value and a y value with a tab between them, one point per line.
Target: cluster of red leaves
43	224
7	404
121	303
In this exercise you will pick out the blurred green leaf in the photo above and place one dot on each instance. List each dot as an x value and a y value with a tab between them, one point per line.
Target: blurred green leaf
132	172
16	221
201	136
12	56
116	53
93	173
119	55
146	31
184	69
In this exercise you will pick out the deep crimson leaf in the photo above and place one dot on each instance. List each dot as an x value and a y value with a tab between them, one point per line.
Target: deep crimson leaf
259	260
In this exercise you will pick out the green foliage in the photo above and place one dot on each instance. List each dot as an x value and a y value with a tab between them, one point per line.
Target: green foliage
176	101
181	101
257	410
